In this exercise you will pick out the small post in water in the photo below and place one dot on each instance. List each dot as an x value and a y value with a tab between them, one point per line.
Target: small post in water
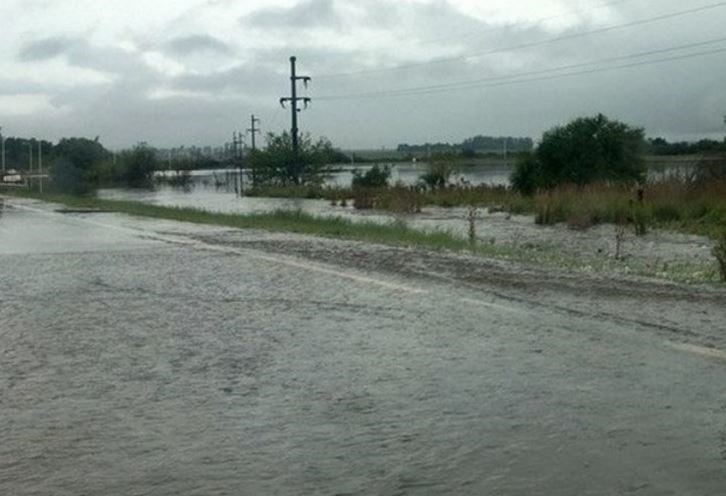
472	224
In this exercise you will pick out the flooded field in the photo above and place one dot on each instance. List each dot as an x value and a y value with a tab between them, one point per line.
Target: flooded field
152	357
658	253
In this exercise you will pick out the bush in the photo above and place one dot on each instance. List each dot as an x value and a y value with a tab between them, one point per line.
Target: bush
719	251
439	172
277	164
375	177
138	166
526	176
584	151
67	178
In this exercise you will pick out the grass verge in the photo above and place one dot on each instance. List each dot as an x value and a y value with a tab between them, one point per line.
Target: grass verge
392	234
396	233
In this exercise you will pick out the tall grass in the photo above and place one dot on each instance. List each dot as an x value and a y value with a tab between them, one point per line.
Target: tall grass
676	203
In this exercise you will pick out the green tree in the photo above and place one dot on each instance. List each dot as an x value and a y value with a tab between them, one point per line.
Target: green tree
83	153
586	150
440	169
375	177
76	164
138	166
277	164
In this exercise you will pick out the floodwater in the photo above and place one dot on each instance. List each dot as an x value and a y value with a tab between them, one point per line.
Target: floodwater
216	191
658	252
141	357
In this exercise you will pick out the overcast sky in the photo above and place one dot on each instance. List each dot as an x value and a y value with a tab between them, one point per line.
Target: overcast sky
174	72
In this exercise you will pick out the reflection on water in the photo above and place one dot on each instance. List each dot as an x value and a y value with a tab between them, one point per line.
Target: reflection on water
216	191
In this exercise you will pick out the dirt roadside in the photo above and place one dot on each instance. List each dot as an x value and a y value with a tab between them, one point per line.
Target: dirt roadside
693	314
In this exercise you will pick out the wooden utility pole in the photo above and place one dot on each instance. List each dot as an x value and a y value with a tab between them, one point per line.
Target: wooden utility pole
293	100
254	131
40	164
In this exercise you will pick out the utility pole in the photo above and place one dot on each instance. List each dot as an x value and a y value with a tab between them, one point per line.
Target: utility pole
293	100
237	145
254	130
2	141
30	163
40	164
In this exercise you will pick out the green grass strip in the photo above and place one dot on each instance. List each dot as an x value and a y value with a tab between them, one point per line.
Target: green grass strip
395	233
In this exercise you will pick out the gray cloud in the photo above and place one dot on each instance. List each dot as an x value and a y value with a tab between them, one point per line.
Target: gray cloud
197	43
46	48
242	79
681	99
306	14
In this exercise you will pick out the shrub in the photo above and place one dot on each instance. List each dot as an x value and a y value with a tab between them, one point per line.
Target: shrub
67	178
277	164
584	151
138	166
666	213
375	177
439	172
526	176
719	251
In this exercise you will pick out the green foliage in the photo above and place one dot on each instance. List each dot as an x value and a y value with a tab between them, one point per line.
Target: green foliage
83	153
67	178
526	177
137	166
585	151
719	251
78	164
375	177
440	169
277	164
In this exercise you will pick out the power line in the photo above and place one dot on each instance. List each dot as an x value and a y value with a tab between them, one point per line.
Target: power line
536	79
470	82
546	41
534	22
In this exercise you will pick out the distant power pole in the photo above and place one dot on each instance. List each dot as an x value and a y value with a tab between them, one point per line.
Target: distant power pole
2	140
40	164
238	144
254	130
293	100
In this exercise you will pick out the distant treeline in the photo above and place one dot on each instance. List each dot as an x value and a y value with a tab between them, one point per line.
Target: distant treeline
473	146
659	146
18	151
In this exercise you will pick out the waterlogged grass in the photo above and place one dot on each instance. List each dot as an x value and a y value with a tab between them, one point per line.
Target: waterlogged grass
674	204
398	234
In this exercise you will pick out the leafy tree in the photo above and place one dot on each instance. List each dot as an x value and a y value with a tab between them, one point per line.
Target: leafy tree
67	178
375	177
138	166
440	169
278	165
586	150
83	153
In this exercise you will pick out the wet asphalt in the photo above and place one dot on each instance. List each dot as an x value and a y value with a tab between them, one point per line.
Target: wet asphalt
142	357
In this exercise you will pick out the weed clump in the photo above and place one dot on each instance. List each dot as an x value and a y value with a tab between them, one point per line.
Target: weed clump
719	251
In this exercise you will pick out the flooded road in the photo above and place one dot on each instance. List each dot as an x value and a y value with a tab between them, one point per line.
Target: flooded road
152	357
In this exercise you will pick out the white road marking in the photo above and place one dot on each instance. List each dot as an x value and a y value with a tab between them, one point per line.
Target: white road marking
698	350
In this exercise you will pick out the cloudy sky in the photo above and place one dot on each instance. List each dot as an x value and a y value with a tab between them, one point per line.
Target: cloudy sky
174	72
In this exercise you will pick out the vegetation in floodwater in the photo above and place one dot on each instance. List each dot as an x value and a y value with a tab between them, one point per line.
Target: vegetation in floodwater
396	233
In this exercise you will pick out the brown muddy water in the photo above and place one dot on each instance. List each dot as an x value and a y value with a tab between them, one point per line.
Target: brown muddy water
156	358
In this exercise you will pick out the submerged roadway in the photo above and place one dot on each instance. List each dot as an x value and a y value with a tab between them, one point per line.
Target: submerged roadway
144	357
